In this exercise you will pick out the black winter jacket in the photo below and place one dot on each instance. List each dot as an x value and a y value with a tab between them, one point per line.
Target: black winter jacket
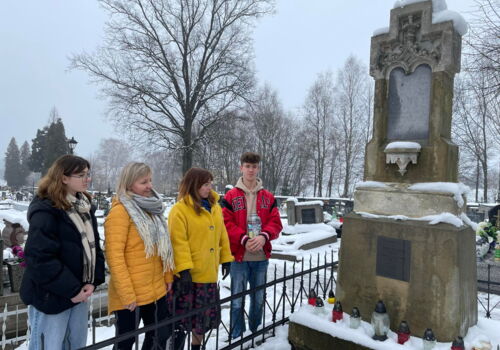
54	256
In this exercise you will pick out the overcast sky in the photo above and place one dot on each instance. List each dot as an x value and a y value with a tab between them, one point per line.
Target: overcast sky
303	38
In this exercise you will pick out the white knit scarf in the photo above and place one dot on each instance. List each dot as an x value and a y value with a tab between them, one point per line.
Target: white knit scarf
147	214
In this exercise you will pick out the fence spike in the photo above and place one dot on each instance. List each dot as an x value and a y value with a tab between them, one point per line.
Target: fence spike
4	327
91	318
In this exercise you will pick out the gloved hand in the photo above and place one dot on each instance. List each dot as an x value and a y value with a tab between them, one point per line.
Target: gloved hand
185	282
226	269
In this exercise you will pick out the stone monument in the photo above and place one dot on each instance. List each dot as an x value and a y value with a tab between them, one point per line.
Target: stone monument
425	273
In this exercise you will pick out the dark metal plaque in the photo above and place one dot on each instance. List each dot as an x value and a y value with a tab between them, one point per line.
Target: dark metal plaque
393	258
308	216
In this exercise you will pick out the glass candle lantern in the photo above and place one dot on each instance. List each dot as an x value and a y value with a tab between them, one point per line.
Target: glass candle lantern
319	306
331	297
380	322
458	344
355	319
429	340
403	332
311	298
337	313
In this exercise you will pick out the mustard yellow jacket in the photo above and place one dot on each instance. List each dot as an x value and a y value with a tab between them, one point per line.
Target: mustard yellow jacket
200	241
133	277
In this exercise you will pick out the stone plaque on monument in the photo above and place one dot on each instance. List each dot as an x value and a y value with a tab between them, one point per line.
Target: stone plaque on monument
393	258
409	104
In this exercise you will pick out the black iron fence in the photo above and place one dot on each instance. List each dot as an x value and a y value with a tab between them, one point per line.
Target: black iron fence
288	288
488	286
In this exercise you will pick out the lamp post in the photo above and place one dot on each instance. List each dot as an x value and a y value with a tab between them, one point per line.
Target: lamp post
72	144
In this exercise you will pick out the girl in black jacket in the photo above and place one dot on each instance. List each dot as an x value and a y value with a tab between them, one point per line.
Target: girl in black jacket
64	259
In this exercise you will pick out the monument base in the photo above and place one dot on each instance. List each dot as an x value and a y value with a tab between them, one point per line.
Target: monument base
425	274
304	338
397	199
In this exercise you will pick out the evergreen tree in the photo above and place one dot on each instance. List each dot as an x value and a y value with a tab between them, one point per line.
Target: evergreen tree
56	144
38	150
25	161
49	144
13	165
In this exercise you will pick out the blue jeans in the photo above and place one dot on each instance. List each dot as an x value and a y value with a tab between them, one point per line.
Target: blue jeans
253	272
65	330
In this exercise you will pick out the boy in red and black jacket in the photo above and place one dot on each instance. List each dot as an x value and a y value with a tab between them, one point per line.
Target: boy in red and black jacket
251	254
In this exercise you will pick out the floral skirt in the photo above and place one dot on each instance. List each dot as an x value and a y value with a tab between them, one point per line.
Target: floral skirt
201	294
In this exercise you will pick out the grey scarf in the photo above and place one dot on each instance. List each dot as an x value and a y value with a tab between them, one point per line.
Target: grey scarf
147	214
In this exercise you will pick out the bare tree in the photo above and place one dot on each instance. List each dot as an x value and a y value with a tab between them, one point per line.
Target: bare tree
166	168
223	146
297	176
170	64
483	44
318	110
351	119
472	112
272	132
107	163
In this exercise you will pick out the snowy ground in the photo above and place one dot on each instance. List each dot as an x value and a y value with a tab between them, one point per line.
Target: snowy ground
486	328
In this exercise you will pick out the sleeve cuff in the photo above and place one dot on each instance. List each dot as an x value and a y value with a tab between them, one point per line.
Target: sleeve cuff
244	240
266	235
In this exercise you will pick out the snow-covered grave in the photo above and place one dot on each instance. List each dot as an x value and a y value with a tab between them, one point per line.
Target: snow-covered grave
297	241
14	216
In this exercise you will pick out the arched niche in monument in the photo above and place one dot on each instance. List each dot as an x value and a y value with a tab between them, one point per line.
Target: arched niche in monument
409	103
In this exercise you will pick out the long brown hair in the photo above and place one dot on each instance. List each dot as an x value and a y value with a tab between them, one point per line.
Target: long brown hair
51	186
191	183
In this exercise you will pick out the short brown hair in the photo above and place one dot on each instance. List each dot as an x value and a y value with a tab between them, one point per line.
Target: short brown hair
191	183
250	157
51	186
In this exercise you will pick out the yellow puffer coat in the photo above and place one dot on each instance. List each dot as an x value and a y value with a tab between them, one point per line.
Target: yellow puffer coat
133	277
200	241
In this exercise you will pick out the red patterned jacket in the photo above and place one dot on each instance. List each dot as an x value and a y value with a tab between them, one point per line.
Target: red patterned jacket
235	217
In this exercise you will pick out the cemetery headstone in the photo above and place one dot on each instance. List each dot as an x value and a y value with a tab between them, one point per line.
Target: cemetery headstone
411	263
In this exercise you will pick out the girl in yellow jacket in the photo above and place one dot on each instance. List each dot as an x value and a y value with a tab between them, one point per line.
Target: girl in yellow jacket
200	244
139	255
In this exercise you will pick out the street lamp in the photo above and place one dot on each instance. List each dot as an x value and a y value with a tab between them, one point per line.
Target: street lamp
72	144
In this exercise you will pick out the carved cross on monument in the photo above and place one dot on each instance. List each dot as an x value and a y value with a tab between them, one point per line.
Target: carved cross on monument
414	66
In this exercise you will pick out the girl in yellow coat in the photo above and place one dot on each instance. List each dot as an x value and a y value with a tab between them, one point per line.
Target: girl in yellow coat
200	244
139	255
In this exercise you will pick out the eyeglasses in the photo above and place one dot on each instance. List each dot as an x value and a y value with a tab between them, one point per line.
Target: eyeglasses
82	176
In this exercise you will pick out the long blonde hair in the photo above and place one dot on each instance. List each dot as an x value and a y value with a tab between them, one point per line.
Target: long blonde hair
51	186
130	173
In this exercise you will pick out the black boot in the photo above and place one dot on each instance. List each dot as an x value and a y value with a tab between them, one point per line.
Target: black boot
195	347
